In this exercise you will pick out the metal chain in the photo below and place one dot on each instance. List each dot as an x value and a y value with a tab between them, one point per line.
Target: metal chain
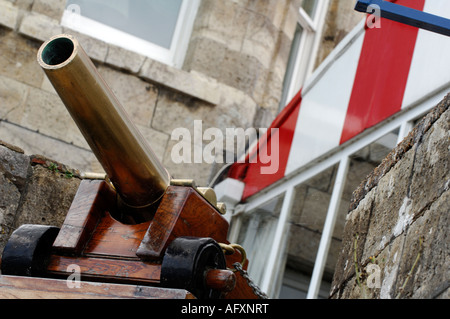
258	292
229	249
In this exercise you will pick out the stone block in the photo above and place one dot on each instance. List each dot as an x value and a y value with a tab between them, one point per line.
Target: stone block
223	22
315	209
137	97
234	110
358	171
240	71
35	143
427	243
260	39
273	10
10	14
14	170
208	56
349	290
156	140
124	59
300	192
18	58
281	56
290	23
262	91
431	166
47	86
23	4
391	212
303	244
51	8
177	111
45	112
48	198
95	49
193	84
280	11
389	260
13	95
14	166
205	55
354	234
39	26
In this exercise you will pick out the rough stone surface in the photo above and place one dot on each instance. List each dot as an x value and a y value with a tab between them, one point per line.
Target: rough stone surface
18	59
340	20
51	8
39	26
245	45
33	190
9	15
398	220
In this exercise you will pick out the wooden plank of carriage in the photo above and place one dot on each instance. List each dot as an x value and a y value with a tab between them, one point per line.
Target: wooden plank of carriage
15	287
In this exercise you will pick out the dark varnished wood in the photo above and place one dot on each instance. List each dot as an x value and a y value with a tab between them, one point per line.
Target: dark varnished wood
108	270
13	287
113	238
220	279
92	199
182	212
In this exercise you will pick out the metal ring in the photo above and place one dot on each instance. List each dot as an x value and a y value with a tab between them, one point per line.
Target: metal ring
227	249
242	251
230	249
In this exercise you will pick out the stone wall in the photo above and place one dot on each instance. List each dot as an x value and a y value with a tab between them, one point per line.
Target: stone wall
396	241
340	20
33	190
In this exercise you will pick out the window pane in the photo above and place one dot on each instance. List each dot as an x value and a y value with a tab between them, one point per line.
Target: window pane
257	233
288	76
310	7
308	217
151	20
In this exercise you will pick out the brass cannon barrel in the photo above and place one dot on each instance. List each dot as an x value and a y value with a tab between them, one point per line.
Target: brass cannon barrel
136	173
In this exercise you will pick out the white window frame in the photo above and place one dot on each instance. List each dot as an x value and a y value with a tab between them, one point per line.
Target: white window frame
307	48
173	56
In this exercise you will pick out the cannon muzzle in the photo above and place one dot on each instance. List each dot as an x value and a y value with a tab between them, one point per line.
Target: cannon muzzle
134	170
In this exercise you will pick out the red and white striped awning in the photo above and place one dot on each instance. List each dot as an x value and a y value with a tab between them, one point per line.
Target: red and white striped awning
373	74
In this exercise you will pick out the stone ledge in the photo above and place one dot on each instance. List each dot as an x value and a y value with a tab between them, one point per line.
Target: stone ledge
12	147
398	152
39	26
54	166
9	14
190	83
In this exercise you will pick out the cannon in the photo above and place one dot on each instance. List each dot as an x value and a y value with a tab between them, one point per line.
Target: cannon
138	226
